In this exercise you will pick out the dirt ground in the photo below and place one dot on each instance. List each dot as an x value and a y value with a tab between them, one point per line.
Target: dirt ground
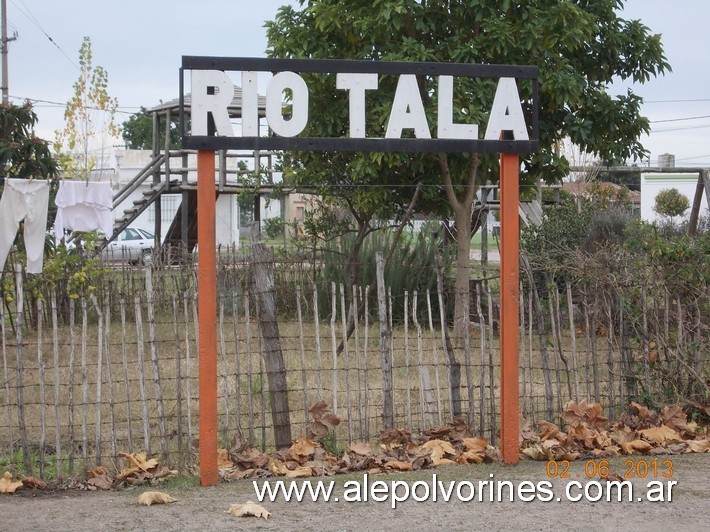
205	508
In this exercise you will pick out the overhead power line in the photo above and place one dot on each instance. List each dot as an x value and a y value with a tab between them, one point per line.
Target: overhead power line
30	16
680	119
680	128
49	103
690	100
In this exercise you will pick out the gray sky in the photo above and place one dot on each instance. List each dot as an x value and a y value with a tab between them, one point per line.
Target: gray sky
140	44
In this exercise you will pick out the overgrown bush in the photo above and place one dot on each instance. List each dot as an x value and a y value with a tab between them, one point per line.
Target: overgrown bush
411	267
274	227
654	275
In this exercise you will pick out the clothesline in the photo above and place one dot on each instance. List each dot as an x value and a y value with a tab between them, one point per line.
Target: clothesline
81	206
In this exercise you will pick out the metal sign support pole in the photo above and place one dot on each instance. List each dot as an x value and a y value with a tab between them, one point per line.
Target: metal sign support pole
509	308
207	312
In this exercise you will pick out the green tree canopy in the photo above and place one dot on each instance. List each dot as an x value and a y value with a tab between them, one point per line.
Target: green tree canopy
579	46
22	154
670	202
137	132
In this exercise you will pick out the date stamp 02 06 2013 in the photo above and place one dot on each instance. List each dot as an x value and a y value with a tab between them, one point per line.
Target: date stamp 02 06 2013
641	468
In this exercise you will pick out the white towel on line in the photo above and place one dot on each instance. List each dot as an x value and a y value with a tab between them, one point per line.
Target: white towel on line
83	206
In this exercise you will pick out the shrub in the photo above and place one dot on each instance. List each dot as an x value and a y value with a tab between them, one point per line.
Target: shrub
671	203
274	227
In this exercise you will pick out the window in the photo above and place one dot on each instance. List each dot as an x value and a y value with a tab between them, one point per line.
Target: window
131	234
168	208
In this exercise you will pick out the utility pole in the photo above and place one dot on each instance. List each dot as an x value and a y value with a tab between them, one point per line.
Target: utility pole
5	41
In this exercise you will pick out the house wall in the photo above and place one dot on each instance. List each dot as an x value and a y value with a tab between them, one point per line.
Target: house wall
652	184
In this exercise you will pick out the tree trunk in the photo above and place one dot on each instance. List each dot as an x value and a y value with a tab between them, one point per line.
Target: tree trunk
463	271
462	208
262	288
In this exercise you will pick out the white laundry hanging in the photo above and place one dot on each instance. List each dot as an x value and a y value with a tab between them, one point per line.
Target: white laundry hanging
83	206
28	200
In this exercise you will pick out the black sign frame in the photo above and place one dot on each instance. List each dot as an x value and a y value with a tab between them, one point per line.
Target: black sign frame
433	145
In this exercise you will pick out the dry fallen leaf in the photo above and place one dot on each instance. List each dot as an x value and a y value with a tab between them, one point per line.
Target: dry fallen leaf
698	446
635	446
299	472
34	483
7	485
102	482
223	459
140	460
154	497
278	468
302	450
471	457
318	409
248	509
643	412
361	448
535	452
475	444
661	435
139	469
549	430
438	450
398	465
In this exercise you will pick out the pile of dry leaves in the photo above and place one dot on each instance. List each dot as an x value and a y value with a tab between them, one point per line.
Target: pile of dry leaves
399	450
641	431
140	470
587	434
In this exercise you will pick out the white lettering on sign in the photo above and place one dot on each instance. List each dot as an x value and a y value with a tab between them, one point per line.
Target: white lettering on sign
212	93
506	113
250	105
357	84
299	104
446	129
407	110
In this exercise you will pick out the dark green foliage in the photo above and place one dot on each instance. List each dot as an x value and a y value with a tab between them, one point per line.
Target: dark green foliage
137	132
670	202
682	260
411	267
564	228
22	154
579	46
274	227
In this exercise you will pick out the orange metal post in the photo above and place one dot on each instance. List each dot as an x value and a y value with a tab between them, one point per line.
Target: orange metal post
509	305
207	312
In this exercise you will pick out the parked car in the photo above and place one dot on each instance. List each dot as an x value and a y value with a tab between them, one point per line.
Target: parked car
133	245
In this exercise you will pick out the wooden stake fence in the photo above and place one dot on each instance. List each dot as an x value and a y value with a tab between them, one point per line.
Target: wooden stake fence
118	411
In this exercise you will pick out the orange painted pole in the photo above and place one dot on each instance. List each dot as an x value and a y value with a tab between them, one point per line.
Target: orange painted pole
509	305
207	312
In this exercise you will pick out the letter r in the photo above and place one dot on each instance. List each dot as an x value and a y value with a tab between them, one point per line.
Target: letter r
212	92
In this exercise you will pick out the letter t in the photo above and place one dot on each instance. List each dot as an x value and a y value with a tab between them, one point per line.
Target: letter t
357	84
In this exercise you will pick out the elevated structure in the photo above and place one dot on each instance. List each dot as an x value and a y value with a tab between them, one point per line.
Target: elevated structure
173	171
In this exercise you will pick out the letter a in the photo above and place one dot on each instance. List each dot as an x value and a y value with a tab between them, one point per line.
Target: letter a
507	113
407	110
